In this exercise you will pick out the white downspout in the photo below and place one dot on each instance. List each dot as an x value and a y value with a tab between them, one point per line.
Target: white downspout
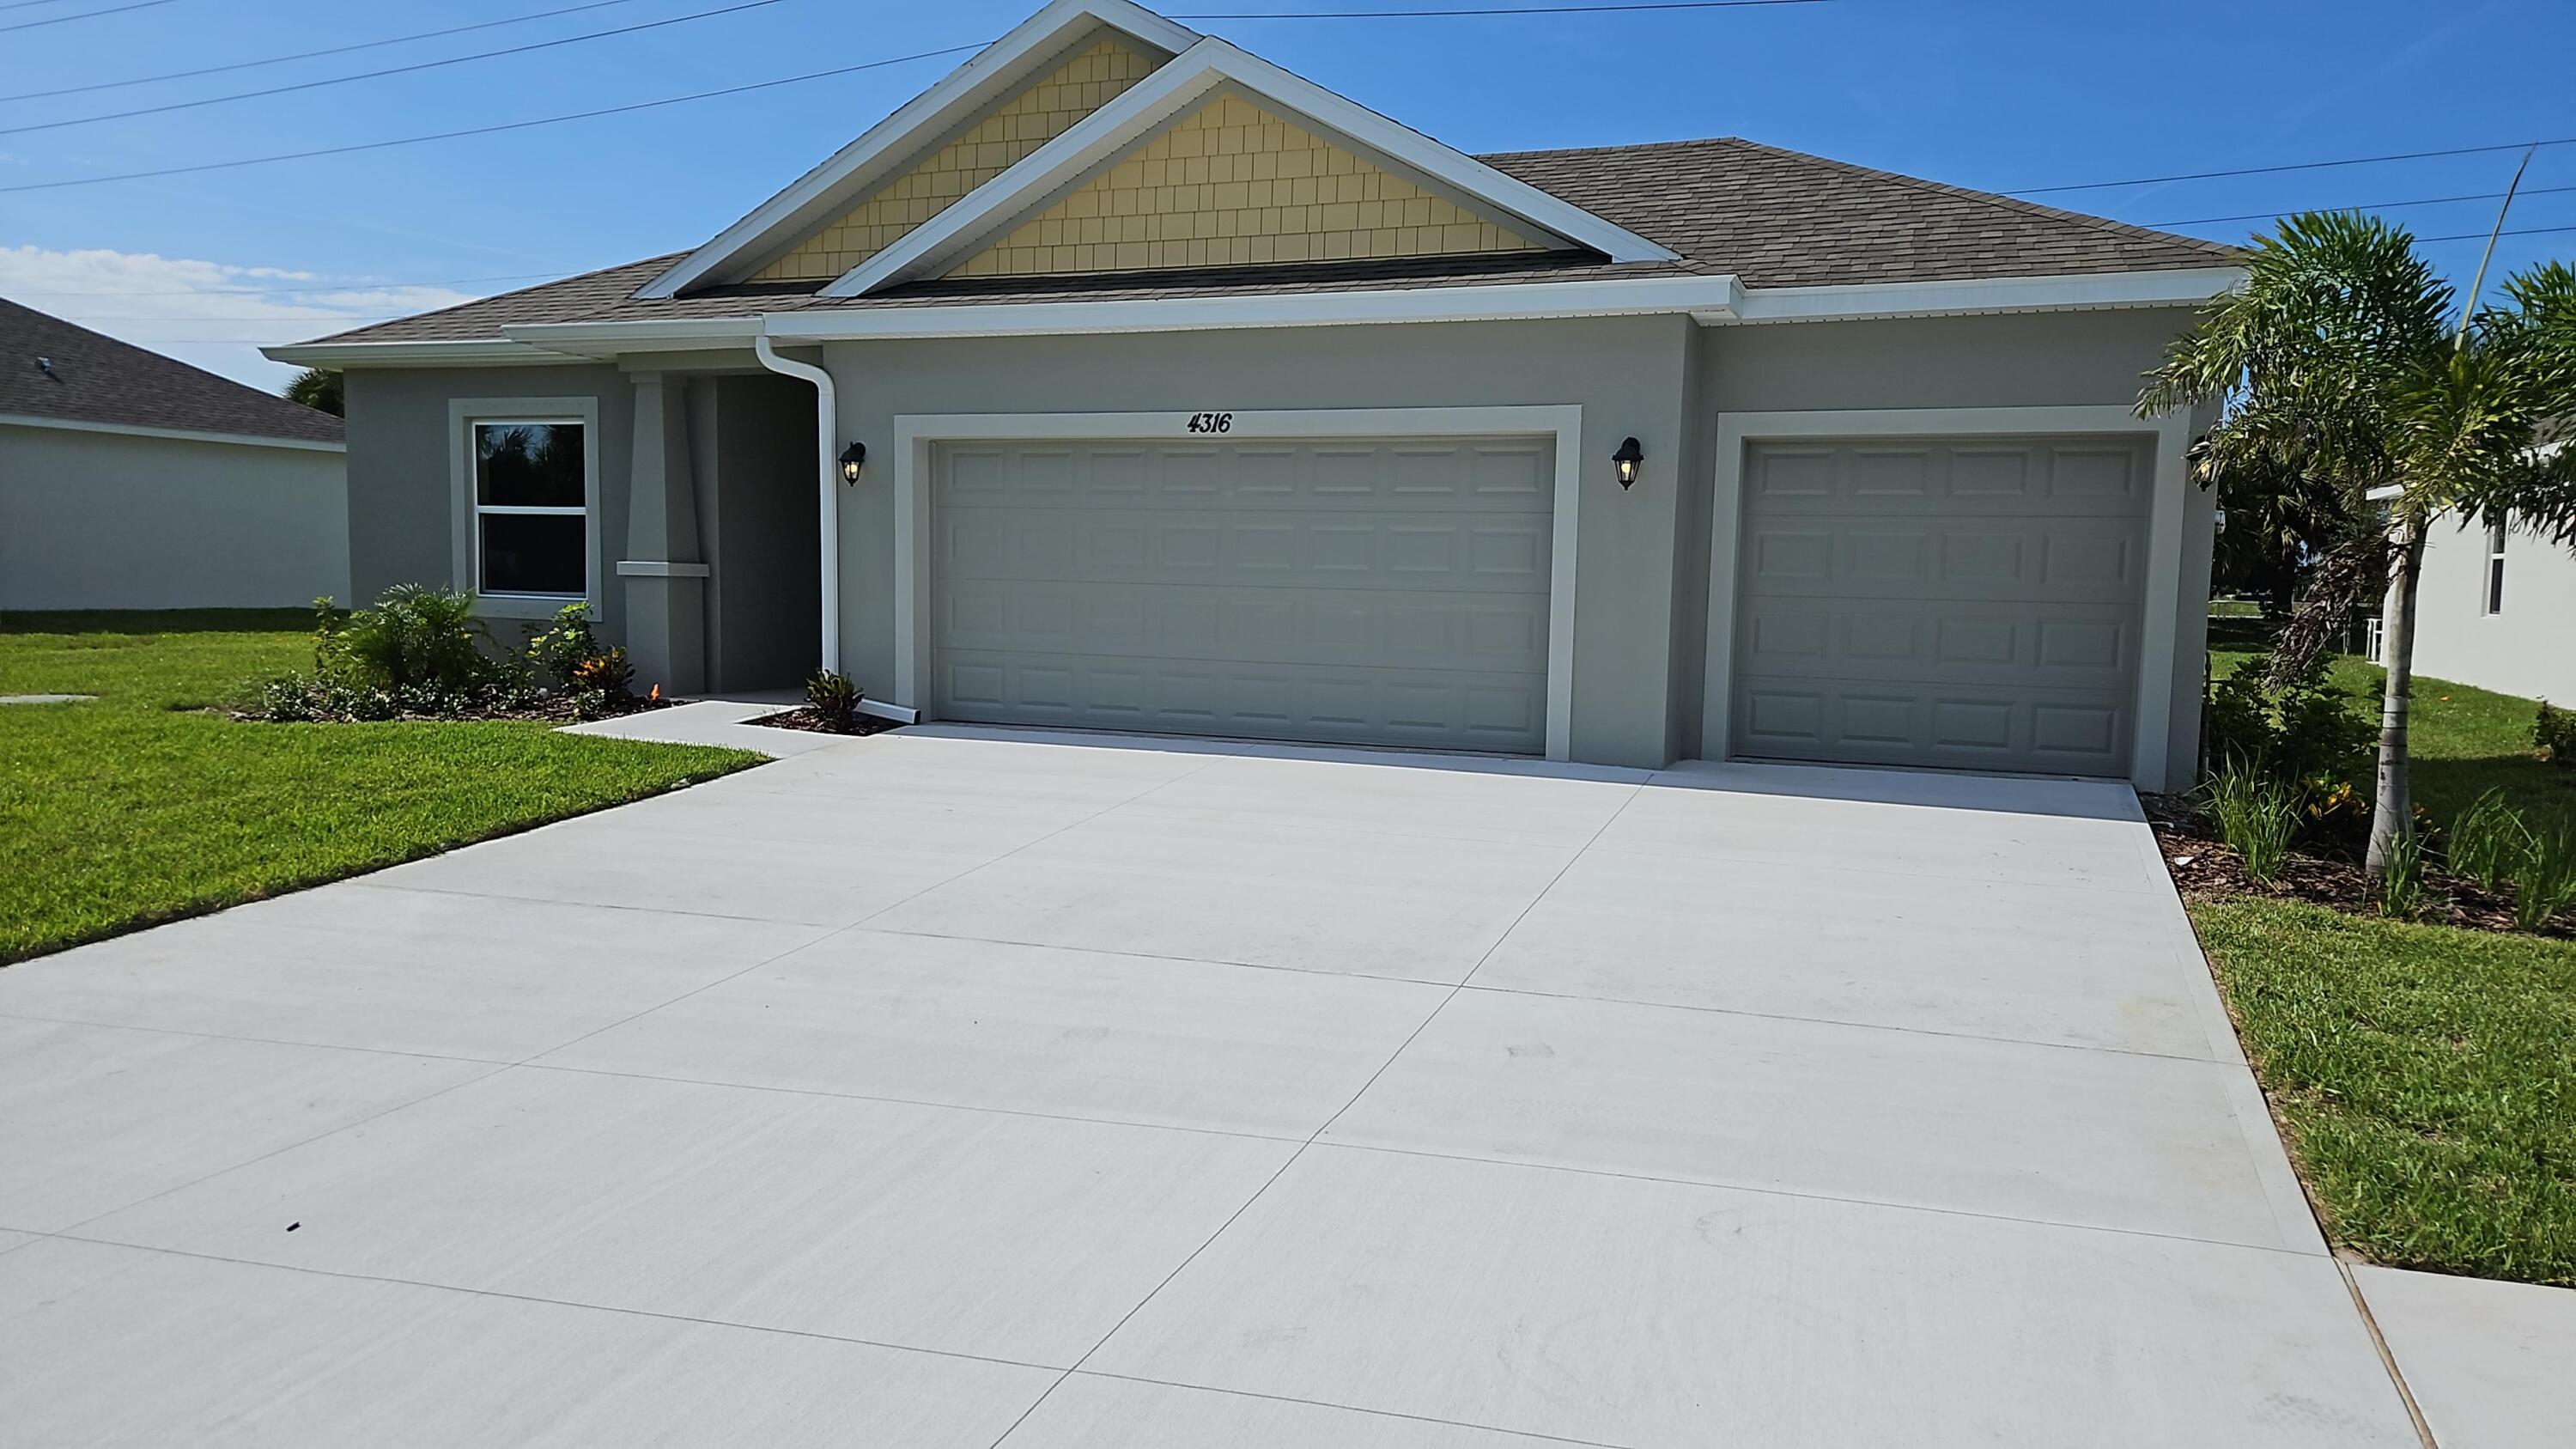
827	426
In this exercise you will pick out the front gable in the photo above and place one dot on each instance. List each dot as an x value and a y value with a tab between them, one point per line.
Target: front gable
1235	184
1044	110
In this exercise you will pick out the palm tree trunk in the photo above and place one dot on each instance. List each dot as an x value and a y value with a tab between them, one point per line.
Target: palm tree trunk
2394	811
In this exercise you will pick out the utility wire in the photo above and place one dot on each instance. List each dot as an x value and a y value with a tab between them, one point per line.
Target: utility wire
28	4
84	15
1491	10
145	80
339	80
495	129
2291	166
2359	206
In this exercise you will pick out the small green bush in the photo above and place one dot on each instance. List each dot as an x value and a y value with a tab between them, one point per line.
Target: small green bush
2555	733
834	695
2488	841
416	636
563	647
2257	815
2545	882
2401	889
2310	735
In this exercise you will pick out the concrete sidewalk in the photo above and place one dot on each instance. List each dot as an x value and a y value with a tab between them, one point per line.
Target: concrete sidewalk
960	1087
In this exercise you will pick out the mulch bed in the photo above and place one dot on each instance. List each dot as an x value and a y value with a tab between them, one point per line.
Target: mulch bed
550	708
814	721
2205	870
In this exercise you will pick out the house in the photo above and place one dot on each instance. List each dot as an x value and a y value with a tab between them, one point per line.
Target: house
1125	380
2496	608
130	480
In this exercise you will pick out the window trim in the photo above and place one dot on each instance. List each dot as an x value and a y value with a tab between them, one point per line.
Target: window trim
464	415
2491	572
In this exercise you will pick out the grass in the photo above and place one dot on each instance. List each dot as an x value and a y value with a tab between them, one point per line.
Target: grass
2462	741
142	806
2426	1078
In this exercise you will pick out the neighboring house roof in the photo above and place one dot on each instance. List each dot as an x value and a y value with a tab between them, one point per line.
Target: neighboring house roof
95	379
1774	218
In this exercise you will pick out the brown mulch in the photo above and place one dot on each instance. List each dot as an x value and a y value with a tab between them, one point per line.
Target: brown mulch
2205	870
548	708
813	721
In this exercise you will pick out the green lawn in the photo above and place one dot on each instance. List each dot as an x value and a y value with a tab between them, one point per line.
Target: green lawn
2463	741
2426	1076
141	806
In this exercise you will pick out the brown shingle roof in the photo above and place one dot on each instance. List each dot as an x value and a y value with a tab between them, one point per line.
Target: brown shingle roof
1774	218
97	379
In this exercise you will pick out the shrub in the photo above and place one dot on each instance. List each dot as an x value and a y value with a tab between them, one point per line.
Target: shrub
2401	889
834	695
601	681
2488	841
563	648
2311	734
2545	882
2555	733
416	637
2256	816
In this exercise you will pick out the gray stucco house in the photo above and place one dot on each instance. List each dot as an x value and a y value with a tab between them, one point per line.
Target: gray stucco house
2496	608
130	480
1197	398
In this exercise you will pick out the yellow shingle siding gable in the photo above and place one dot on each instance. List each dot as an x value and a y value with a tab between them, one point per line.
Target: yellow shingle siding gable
1232	185
1022	124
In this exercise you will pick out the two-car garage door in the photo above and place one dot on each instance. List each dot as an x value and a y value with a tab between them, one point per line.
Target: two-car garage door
1384	591
1965	603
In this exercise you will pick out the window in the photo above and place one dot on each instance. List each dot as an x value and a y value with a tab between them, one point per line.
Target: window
2495	567
531	517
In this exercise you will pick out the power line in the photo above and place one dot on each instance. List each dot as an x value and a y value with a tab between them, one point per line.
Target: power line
493	130
2508	231
390	70
84	15
146	80
1491	10
2358	206
2291	166
28	4
324	287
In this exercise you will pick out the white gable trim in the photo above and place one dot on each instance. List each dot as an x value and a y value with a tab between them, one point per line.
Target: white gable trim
858	168
1039	177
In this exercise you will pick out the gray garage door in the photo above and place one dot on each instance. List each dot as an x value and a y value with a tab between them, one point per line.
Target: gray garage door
1366	591
1956	603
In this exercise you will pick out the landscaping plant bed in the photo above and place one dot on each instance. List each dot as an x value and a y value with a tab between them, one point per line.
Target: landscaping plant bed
2203	869
814	721
542	708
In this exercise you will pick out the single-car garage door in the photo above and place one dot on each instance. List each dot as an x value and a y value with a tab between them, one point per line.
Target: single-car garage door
1963	603
1373	591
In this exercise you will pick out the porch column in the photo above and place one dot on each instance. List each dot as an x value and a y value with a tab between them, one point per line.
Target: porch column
665	578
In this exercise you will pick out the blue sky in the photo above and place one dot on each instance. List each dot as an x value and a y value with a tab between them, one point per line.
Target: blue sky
1998	94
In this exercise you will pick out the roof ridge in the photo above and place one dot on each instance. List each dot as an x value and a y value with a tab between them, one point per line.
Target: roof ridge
564	281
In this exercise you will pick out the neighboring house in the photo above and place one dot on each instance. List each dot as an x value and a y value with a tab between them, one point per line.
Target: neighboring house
2496	608
130	480
1197	398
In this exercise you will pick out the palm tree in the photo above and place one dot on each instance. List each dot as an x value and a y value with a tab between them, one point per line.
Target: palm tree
2346	359
316	388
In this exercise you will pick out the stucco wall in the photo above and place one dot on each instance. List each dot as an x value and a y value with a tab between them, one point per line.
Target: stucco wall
402	508
111	521
1626	373
2530	648
2039	360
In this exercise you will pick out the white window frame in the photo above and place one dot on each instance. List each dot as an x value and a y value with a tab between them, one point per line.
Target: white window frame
2491	572
464	415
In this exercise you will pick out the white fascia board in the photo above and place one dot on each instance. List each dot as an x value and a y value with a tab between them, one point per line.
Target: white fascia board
955	233
1644	296
854	169
614	339
339	356
2095	292
183	435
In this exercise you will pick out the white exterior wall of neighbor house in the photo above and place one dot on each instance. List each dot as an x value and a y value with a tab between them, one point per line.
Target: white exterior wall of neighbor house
100	519
2529	647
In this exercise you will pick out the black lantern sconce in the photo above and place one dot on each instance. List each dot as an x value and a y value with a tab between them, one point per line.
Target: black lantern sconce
853	458
1628	459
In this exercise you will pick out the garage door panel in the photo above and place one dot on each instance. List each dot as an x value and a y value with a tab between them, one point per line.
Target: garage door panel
1359	590
1970	603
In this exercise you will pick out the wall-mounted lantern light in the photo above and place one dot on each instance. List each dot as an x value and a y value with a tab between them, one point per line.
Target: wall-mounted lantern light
853	458
1628	459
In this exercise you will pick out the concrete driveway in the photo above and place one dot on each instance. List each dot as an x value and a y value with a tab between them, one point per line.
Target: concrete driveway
957	1089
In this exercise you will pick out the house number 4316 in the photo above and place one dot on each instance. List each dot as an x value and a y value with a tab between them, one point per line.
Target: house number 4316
1211	422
